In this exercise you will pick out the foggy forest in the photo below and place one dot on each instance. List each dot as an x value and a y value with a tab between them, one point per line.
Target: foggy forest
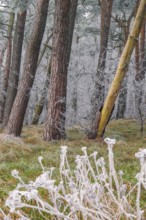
72	74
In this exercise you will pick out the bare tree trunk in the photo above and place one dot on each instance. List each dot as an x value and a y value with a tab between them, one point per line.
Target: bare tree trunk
15	66
122	100
16	118
137	57
62	41
40	105
139	79
142	41
140	72
72	17
122	67
44	49
123	91
98	95
106	10
7	67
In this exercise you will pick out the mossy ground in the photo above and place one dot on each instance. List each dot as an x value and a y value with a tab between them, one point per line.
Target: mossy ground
22	153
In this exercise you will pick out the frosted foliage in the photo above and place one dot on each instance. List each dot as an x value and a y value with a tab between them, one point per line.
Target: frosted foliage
90	191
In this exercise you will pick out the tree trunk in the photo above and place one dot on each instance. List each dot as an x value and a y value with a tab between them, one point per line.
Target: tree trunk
16	118
98	95
62	41
15	66
122	100
137	57
123	91
40	105
106	10
7	67
72	17
140	72
122	67
139	80
44	50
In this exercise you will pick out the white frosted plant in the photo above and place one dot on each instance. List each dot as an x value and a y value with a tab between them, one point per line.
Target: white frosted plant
90	191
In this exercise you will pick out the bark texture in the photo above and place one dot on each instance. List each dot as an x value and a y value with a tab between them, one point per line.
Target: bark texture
15	65
122	66
62	40
16	118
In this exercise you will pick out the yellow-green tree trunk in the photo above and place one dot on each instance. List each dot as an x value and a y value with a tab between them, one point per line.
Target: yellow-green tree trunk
122	66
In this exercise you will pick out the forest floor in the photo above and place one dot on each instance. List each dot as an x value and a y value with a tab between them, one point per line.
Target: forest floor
22	153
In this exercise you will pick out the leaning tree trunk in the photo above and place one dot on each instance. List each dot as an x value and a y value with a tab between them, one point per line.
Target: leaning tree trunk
62	41
16	118
122	67
98	95
7	67
15	64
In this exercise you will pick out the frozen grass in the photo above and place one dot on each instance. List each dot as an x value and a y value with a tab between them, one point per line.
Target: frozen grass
22	155
89	191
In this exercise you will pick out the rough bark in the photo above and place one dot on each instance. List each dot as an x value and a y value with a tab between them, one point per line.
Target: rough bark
15	64
62	41
98	95
122	66
16	118
7	67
